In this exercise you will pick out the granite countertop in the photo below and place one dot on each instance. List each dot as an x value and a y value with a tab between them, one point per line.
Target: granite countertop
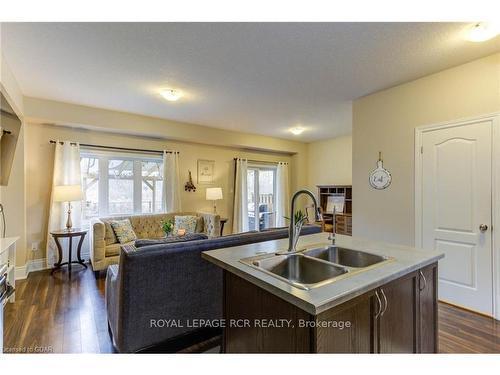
316	300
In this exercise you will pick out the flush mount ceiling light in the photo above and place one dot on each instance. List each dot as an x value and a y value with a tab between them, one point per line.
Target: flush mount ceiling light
482	31
297	130
171	95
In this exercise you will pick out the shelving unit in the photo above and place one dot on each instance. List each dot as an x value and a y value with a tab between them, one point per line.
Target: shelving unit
342	222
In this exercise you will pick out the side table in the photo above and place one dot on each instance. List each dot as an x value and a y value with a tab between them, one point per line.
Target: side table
223	220
70	234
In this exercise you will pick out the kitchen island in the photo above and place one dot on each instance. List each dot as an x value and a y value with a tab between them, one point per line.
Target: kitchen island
385	307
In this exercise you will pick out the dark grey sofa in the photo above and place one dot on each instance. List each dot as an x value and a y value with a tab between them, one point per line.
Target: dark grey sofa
170	282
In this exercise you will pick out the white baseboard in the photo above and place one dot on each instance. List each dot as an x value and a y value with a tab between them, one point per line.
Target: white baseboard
34	265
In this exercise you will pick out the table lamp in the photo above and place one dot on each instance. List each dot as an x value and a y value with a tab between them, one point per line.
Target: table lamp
68	193
214	194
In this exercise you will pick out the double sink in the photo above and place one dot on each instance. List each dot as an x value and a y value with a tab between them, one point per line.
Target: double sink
315	267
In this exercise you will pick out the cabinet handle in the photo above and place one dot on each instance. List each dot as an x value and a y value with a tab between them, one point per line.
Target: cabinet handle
379	305
385	302
422	277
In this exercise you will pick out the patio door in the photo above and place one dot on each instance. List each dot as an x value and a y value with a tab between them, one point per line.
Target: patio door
261	185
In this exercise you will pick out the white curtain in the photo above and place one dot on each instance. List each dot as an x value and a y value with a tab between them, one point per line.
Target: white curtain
171	182
240	210
282	194
66	172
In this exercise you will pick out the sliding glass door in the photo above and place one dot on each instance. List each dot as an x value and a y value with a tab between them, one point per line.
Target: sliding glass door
261	183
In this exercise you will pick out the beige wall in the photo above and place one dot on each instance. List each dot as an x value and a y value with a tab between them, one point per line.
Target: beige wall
39	159
12	196
329	162
100	126
385	121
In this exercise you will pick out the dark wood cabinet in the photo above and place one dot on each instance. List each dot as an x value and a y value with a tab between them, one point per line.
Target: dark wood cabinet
428	309
398	317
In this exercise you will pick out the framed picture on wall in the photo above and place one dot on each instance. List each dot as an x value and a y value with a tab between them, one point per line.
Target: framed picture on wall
206	171
335	203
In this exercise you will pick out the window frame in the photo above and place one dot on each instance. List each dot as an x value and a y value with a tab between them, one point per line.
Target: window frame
258	167
104	158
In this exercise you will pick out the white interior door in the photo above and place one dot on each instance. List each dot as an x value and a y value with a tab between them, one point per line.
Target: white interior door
457	211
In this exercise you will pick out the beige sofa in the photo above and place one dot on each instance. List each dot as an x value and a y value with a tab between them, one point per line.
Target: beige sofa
105	250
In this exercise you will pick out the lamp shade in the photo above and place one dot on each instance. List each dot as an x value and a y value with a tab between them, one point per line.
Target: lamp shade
214	194
67	193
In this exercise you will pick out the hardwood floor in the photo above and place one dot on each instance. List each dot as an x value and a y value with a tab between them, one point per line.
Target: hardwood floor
462	331
60	315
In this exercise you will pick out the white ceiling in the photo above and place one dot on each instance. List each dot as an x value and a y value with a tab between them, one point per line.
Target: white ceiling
252	77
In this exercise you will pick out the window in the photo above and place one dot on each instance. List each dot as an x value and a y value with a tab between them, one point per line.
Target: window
261	185
120	184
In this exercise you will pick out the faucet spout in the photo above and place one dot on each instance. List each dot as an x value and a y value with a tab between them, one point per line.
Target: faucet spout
294	229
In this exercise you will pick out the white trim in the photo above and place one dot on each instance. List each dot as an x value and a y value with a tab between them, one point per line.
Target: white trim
22	272
495	121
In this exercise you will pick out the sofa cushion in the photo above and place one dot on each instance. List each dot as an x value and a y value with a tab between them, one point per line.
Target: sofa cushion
114	249
149	226
172	239
187	222
123	230
109	234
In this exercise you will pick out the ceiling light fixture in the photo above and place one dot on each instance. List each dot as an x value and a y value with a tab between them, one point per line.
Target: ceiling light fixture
171	95
482	31
297	130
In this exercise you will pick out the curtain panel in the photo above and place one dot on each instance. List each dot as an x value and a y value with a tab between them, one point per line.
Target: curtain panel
282	194
171	182
66	172
240	207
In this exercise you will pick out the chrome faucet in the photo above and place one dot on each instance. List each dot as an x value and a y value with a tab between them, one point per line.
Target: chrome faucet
295	227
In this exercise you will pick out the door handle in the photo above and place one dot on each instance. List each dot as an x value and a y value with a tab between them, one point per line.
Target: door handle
385	302
379	305
483	228
422	277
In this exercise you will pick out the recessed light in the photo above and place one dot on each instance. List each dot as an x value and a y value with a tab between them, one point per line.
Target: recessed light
297	130
482	31
171	95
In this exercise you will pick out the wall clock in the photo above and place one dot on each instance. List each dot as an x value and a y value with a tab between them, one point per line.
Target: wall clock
380	178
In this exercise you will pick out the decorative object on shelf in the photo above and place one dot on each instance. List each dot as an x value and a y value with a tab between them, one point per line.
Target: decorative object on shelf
206	171
168	227
68	193
380	178
335	203
189	185
214	194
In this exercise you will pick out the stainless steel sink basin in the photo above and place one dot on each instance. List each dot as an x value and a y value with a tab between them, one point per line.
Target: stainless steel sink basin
312	268
345	257
296	269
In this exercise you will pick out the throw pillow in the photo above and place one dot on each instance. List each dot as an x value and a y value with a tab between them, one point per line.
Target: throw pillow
188	223
109	234
123	230
199	224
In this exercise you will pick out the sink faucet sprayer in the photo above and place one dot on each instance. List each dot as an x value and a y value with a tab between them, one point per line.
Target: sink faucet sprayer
295	227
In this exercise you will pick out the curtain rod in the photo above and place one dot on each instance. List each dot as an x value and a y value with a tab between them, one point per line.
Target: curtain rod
120	148
262	161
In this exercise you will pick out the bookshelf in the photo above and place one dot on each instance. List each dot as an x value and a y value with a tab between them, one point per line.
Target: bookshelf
342	222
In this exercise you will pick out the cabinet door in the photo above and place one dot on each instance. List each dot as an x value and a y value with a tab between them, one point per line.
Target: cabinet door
355	327
397	324
428	309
